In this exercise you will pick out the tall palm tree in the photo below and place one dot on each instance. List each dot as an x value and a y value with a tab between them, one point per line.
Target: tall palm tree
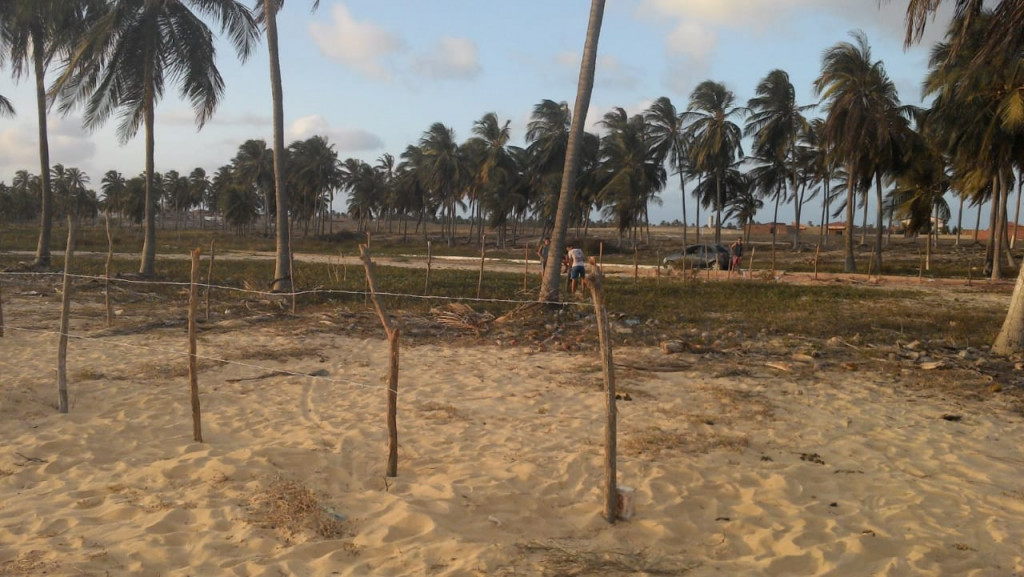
550	284
776	122
443	171
631	173
672	142
124	62
32	34
267	15
862	123
253	165
114	188
199	186
491	137
717	140
314	171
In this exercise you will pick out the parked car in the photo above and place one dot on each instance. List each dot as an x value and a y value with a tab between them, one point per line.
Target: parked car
713	256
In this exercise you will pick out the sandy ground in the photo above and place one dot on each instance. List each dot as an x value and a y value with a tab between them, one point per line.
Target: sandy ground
741	465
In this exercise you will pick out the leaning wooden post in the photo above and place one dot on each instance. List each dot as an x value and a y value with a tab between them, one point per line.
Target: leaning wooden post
193	372
392	334
426	287
65	311
483	255
106	269
750	266
611	495
209	277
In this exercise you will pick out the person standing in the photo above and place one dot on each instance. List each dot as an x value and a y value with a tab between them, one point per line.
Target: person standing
577	267
542	252
736	250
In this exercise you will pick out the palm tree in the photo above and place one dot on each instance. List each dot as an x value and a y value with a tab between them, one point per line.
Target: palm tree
267	15
443	171
862	125
775	123
716	139
123	63
314	171
630	173
114	187
672	142
550	284
1004	35
744	202
491	137
199	186
33	33
253	166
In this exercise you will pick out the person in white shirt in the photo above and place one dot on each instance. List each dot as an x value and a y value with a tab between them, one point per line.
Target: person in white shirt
577	267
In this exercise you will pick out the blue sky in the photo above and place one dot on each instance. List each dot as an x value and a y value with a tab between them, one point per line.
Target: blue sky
372	76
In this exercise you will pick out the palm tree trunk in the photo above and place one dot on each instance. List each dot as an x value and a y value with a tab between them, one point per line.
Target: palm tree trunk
998	231
959	220
879	219
682	188
549	286
850	265
282	259
1016	214
146	267
46	218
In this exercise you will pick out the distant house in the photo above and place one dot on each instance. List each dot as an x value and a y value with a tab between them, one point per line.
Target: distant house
837	228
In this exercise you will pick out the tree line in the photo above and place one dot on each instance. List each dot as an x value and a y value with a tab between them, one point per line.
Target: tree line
114	57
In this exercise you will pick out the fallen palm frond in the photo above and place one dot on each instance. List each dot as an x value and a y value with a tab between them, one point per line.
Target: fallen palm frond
462	316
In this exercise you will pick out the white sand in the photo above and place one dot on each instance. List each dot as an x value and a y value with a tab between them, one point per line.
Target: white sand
754	472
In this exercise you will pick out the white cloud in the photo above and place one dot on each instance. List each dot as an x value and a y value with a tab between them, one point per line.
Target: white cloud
450	58
69	145
359	45
344	139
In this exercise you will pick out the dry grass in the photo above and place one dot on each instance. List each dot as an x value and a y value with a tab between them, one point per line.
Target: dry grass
654	441
566	562
291	509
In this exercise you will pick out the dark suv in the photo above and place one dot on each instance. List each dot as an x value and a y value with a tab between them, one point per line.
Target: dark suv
713	256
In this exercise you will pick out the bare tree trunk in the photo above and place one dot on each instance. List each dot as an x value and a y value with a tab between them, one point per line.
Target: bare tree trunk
282	266
46	218
549	286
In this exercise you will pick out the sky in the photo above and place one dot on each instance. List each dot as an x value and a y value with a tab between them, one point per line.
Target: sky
373	75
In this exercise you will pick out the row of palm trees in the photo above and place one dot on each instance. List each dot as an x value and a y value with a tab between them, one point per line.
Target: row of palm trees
114	56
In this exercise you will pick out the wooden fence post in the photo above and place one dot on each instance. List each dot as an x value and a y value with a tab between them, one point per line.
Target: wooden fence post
426	287
65	312
1	308
106	269
193	372
483	255
611	502
209	276
526	267
816	249
393	355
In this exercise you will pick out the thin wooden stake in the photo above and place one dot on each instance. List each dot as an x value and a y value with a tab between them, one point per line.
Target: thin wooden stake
209	276
611	492
636	266
1	309
426	286
393	350
65	313
483	255
817	248
106	279
193	370
871	262
526	266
